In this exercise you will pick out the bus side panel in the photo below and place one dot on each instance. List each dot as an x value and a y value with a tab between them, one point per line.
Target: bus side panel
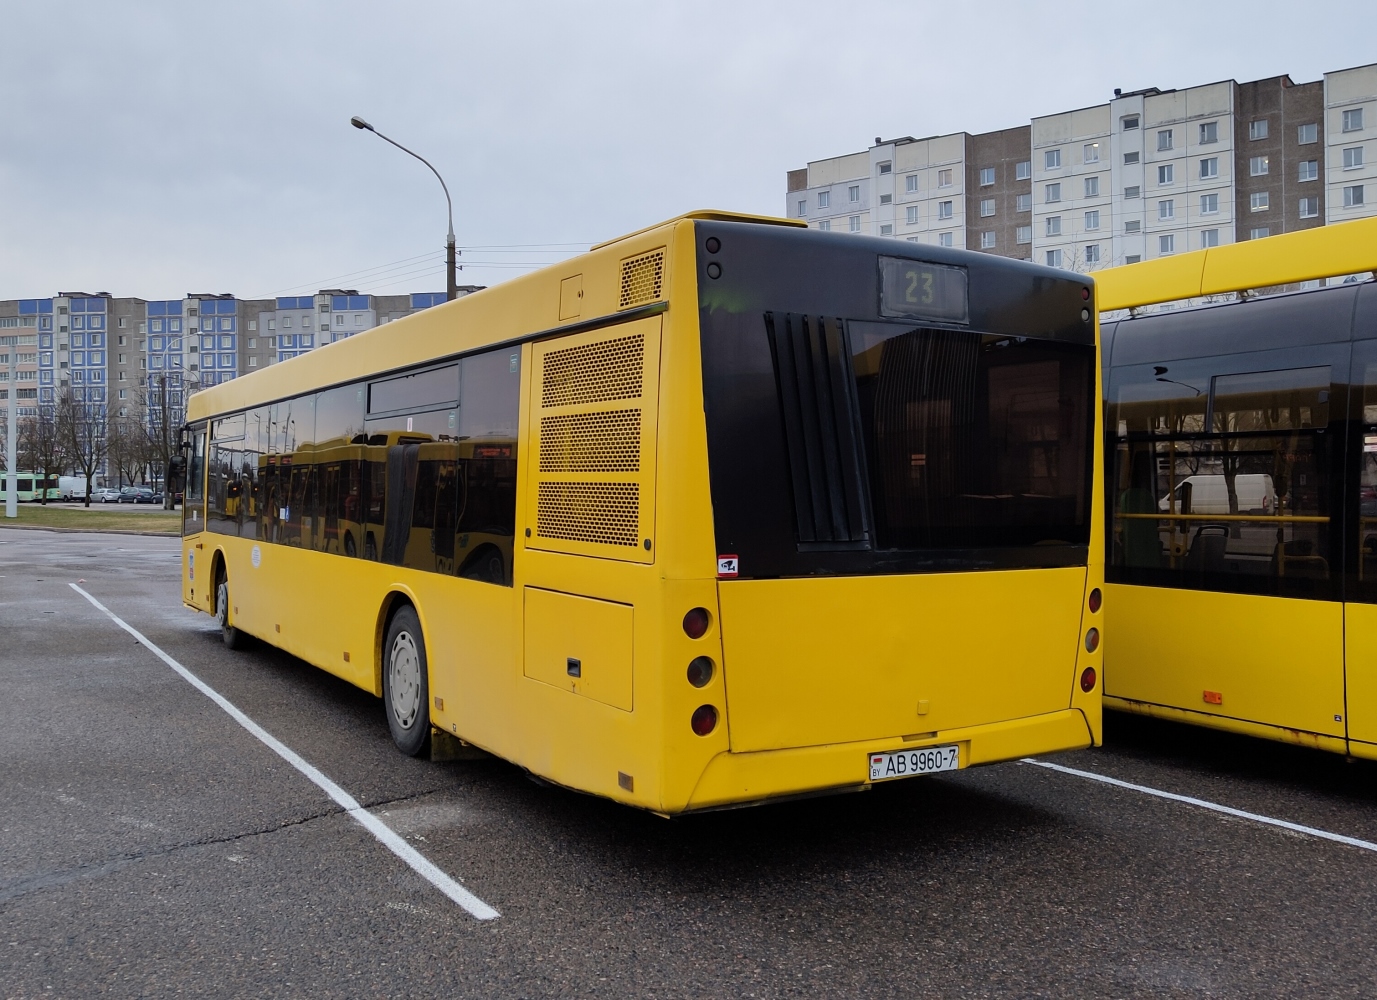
814	661
1271	660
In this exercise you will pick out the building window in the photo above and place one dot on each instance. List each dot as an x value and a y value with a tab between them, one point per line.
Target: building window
886	166
1054	258
1092	187
1257	129
1167	243
886	230
944	209
1092	221
911	215
1092	253
802	211
1130	122
1132	191
853	193
987	241
1309	170
911	183
1023	170
944	178
1130	158
825	225
1310	208
1090	152
1051	159
1023	234
1209	204
824	199
1209	168
1259	201
945	239
1257	166
1165	139
1052	193
1353	196
1353	120
886	199
987	207
1259	233
1023	203
1166	209
1166	173
853	223
987	176
1353	157
1306	134
1053	225
1209	238
1209	132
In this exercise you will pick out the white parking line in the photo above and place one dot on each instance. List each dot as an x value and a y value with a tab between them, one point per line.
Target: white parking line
1309	831
418	862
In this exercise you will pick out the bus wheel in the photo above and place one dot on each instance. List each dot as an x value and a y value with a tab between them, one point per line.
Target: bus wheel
229	635
406	687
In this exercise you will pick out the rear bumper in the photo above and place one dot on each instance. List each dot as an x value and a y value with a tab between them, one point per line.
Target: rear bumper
743	778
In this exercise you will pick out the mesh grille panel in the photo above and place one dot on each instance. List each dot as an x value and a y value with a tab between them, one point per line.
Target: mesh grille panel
604	513
591	442
642	279
592	373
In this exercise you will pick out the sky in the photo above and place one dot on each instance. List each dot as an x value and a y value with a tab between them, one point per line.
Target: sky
161	148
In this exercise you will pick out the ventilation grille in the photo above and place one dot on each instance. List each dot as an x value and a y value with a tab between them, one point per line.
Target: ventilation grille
817	398
602	513
594	373
642	279
609	441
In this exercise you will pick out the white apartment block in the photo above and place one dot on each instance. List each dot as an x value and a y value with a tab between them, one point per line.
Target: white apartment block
1149	174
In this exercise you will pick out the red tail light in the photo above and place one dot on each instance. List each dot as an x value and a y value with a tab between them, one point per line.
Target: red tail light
704	720
1088	679
696	623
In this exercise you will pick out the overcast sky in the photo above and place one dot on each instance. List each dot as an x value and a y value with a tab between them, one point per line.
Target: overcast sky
155	149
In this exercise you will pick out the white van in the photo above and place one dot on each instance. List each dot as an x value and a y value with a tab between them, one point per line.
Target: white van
1210	495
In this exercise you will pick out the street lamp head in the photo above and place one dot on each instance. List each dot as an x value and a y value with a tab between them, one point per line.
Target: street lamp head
358	122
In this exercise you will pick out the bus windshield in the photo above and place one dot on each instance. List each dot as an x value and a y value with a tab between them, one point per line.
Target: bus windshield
846	439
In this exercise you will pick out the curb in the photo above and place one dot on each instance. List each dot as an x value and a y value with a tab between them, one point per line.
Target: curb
88	531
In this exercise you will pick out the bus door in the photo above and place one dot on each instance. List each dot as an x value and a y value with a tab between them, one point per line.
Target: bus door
1226	515
1360	607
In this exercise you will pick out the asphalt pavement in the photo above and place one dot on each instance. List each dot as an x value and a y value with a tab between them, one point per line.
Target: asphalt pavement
151	846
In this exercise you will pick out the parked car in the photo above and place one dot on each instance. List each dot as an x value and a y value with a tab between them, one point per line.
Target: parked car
106	494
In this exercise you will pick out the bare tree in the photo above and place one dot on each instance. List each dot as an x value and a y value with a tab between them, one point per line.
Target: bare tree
81	426
41	447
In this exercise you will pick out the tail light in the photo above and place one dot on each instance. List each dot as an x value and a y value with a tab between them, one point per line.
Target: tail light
696	623
704	720
1088	679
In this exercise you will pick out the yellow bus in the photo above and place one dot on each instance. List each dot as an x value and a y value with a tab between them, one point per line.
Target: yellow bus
722	511
1241	488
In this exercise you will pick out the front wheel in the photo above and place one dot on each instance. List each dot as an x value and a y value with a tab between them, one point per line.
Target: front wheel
232	637
406	684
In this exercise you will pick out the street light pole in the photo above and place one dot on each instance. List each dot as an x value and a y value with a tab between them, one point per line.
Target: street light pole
452	286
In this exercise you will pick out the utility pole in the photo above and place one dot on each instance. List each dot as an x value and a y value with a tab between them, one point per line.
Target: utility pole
451	254
11	473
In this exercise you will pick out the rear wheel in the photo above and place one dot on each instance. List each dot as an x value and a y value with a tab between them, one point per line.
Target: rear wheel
406	685
229	635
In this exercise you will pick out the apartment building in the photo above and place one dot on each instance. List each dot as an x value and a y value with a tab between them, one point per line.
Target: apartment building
1149	173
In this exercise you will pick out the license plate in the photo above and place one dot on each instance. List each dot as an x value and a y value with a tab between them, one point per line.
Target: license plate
906	763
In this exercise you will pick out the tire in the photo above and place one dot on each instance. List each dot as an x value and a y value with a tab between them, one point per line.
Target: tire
232	637
406	683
